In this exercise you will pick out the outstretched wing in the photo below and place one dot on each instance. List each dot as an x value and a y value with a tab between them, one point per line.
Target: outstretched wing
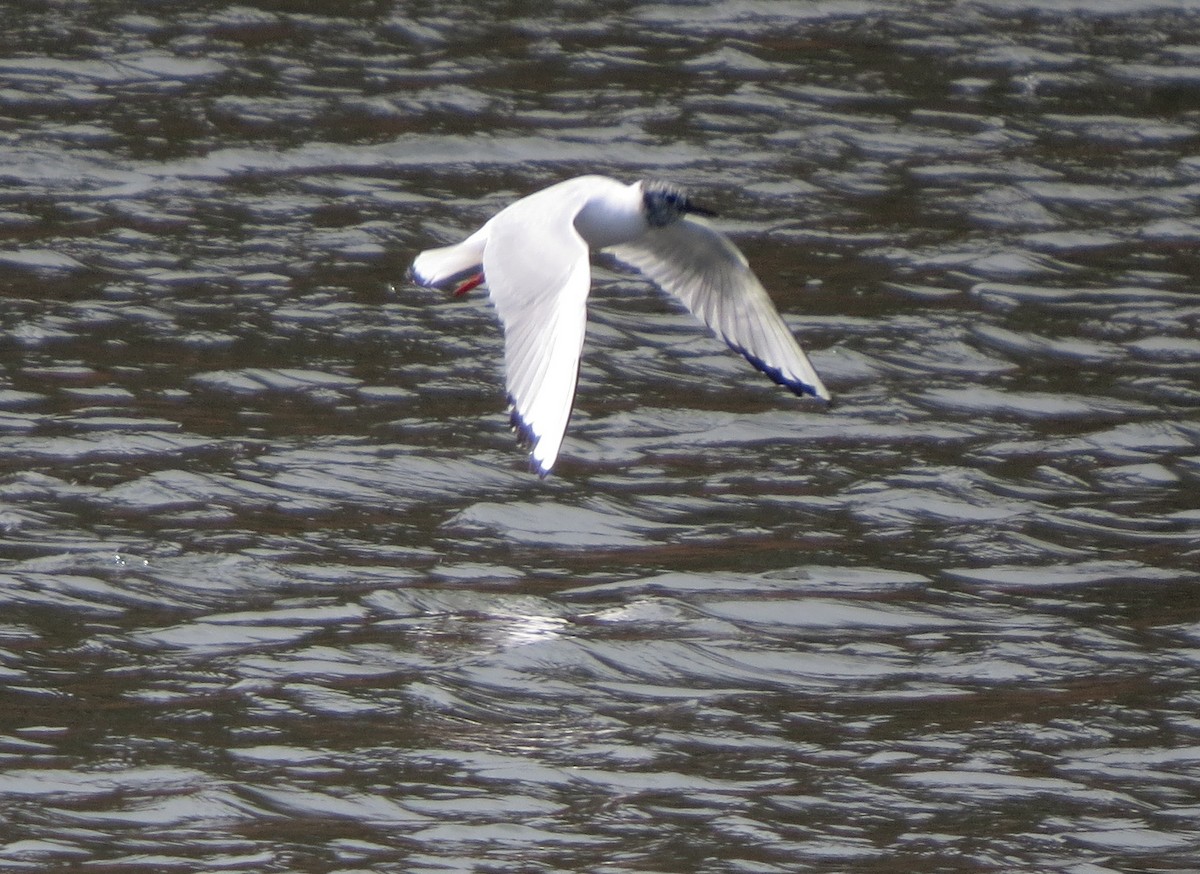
700	266
538	275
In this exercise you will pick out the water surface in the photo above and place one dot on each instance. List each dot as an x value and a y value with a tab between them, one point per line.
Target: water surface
278	592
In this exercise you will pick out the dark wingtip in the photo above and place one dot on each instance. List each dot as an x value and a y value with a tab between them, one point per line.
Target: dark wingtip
525	439
525	435
803	389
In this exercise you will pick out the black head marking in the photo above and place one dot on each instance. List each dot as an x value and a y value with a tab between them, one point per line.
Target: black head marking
666	202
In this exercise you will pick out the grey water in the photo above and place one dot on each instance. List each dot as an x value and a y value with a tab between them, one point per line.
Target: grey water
278	592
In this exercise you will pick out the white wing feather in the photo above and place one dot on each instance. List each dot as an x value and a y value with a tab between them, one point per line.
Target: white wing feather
700	266
540	294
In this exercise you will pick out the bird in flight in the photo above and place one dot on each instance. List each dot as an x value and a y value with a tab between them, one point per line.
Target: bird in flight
534	256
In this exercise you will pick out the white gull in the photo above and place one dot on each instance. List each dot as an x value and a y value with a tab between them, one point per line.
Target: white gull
534	256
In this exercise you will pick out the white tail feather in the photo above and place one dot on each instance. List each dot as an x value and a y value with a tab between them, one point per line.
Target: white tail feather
450	265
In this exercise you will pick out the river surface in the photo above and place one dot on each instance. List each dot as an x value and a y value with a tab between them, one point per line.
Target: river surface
279	593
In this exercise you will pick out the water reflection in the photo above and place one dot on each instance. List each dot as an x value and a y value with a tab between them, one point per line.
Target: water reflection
279	593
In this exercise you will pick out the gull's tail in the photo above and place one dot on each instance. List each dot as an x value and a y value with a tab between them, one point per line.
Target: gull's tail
450	265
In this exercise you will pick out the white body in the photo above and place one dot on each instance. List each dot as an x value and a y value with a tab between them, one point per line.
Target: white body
534	255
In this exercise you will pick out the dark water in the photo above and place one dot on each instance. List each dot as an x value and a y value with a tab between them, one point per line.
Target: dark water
278	593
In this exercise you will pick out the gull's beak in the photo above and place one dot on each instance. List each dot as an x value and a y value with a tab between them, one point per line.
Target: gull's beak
696	209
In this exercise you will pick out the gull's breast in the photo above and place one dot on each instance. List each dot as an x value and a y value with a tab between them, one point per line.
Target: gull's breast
612	215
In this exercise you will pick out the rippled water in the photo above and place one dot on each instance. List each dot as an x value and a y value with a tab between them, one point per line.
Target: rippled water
279	594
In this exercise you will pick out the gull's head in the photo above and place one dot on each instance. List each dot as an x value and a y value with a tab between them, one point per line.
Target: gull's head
664	202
